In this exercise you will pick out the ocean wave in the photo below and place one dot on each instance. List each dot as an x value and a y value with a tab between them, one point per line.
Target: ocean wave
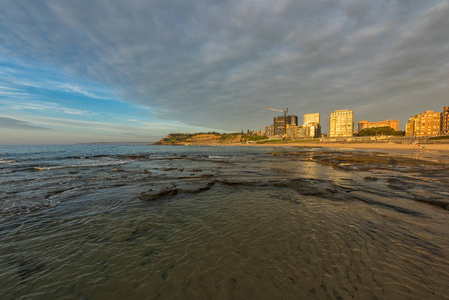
7	161
72	166
38	169
25	206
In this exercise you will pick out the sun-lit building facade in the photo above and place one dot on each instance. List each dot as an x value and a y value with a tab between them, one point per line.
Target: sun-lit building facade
445	121
312	127
341	123
425	124
312	118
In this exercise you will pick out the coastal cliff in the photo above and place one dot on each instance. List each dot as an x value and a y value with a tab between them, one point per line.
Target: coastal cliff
209	138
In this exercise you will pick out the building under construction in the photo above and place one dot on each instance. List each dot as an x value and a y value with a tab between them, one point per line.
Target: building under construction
279	124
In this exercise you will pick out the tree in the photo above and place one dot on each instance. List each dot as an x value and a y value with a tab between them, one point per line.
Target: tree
380	131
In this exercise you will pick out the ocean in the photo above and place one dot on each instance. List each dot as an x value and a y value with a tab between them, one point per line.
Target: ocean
204	222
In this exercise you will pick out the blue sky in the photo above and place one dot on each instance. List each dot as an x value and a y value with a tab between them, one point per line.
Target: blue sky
134	71
41	104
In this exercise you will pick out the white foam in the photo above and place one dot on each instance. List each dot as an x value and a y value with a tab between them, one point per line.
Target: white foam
7	161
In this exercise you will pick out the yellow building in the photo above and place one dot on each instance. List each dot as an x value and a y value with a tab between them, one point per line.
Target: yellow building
387	123
425	124
312	118
410	126
341	123
312	125
445	121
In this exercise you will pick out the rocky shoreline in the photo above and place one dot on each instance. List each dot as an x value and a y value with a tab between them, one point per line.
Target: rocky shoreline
382	175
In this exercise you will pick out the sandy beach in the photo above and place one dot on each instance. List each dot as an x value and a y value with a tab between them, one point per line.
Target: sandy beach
368	146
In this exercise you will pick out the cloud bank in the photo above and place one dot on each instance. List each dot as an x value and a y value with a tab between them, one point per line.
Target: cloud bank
10	123
218	63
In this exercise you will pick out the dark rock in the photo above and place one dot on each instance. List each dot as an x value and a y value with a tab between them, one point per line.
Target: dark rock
154	195
397	187
193	187
28	268
368	178
135	156
435	201
165	275
173	189
394	180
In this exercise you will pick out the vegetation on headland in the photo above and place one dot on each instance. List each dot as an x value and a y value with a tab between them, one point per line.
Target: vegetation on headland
200	138
209	138
251	138
215	138
380	131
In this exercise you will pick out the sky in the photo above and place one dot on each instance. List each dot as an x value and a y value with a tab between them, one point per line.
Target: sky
136	70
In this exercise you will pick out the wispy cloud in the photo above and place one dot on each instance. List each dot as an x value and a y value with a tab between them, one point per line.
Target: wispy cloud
43	106
10	123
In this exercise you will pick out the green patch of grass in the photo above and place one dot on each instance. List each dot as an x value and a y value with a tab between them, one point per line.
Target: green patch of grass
253	138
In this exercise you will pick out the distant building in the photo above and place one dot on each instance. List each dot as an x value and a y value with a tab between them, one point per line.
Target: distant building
312	125
425	124
312	130
292	131
312	118
445	121
341	123
411	125
387	123
269	130
279	123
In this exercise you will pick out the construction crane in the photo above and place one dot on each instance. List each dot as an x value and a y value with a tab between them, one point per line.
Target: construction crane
285	116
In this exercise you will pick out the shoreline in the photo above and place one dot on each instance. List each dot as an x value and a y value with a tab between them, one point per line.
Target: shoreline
357	146
367	146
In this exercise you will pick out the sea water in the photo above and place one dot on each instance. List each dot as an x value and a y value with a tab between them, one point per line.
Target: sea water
73	225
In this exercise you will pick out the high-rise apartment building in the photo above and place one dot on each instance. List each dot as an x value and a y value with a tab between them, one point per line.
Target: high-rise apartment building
312	118
269	130
341	123
312	130
279	123
387	123
312	125
410	126
445	121
425	124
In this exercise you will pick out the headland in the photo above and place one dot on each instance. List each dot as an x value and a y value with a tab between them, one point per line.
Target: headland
237	139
